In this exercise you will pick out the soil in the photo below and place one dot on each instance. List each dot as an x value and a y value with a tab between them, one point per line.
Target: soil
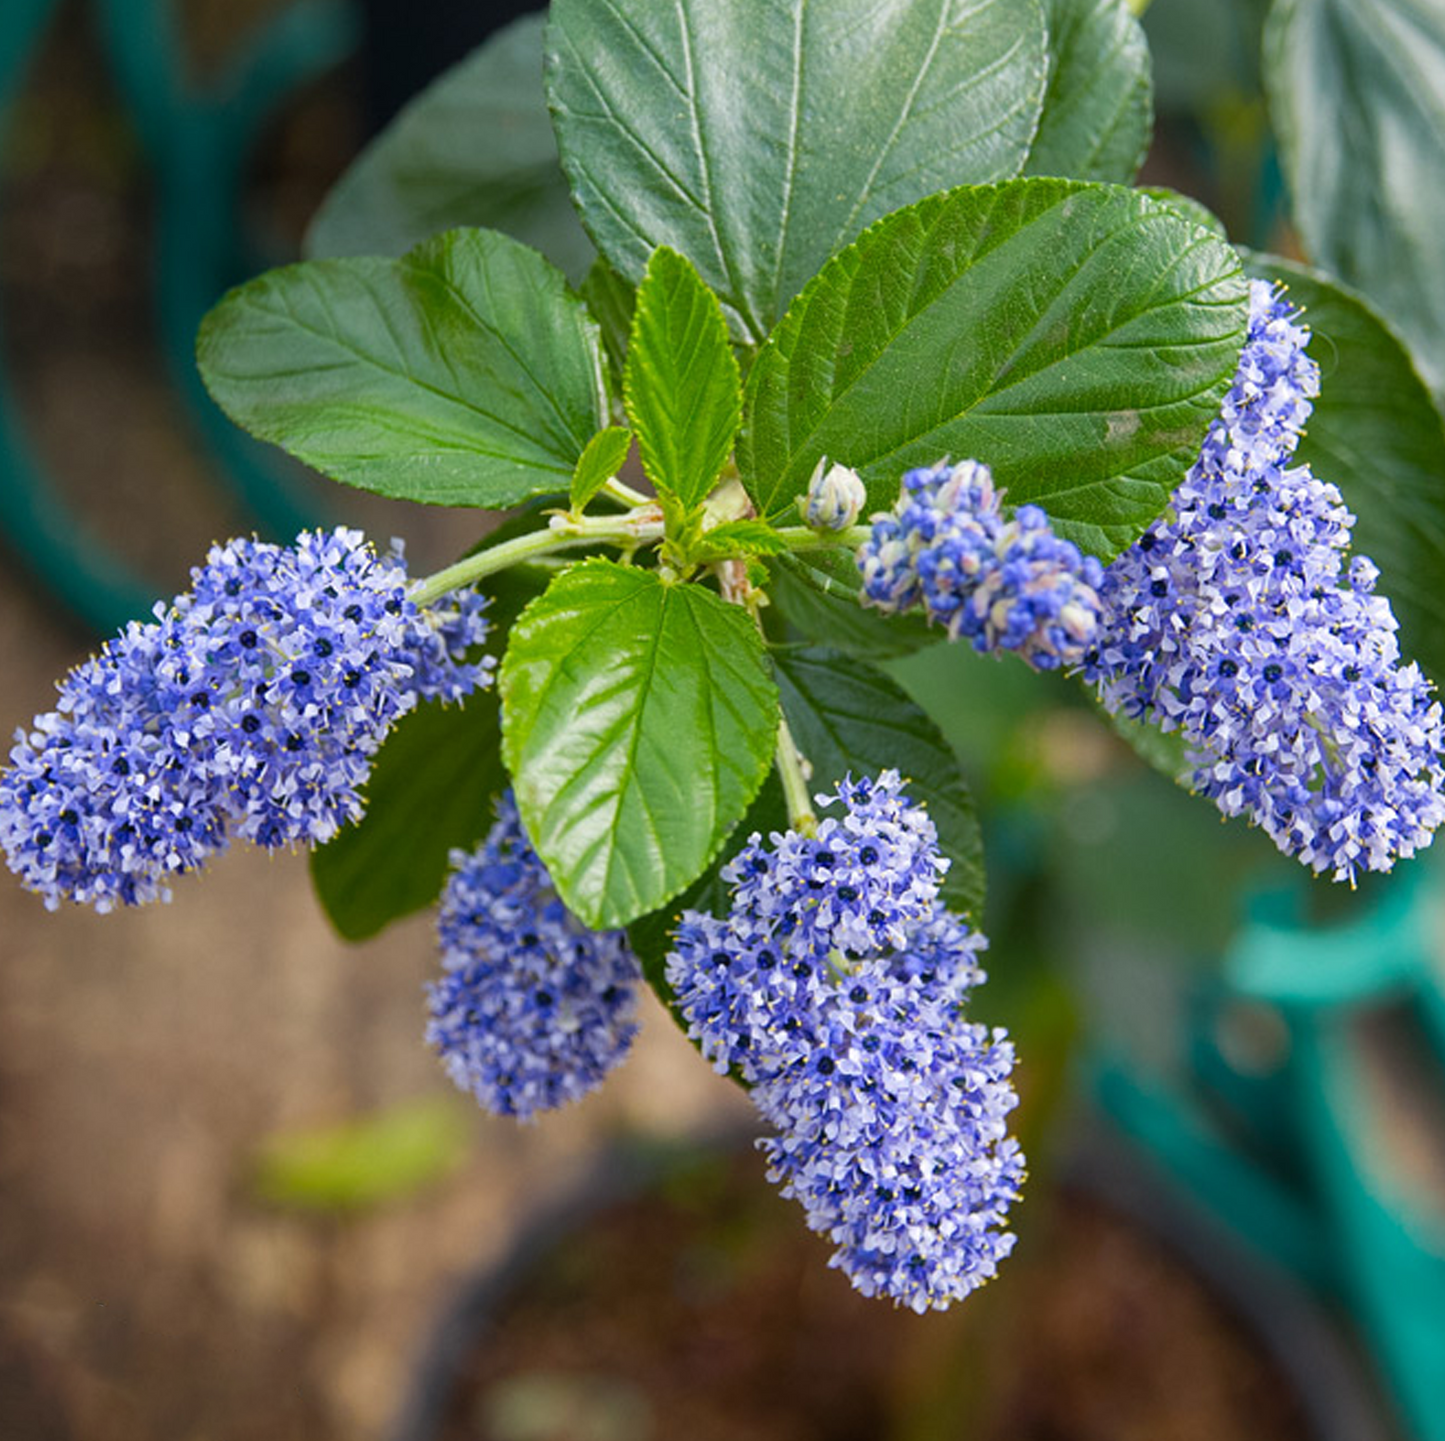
702	1309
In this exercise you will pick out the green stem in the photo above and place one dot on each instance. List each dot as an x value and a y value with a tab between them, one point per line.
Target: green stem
626	531
795	783
801	537
620	490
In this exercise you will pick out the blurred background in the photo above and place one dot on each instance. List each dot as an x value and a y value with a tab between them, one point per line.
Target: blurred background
237	1195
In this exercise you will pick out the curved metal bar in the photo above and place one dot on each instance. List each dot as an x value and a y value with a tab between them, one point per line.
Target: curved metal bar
199	143
97	588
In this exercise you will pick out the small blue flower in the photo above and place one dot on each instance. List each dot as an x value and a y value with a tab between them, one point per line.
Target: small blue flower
251	707
1004	584
1236	621
534	1009
834	988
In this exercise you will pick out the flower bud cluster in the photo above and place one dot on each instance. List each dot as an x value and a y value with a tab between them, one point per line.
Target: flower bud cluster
534	1009
834	987
250	706
1239	620
1004	584
834	498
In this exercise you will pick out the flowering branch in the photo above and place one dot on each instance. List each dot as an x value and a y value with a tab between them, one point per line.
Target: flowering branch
640	527
802	537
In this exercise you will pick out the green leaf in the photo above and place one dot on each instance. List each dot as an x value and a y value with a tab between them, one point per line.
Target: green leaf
599	463
1376	433
611	299
849	718
431	788
1357	95
736	538
1187	206
756	137
1098	108
474	148
816	597
364	1163
464	373
638	723
1077	338
681	385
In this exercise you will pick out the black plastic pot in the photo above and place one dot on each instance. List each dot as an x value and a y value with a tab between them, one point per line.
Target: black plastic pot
1305	1350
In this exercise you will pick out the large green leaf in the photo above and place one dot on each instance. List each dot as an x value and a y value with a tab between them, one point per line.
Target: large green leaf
638	723
1098	108
681	385
611	299
1376	433
474	148
850	719
1357	94
431	789
1077	338
759	136
464	373
815	596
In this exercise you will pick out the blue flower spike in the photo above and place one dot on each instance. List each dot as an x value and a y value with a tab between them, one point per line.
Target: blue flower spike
1005	584
835	987
1239	620
250	706
534	1009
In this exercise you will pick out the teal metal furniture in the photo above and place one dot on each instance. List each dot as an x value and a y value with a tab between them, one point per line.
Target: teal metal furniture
197	143
1298	1152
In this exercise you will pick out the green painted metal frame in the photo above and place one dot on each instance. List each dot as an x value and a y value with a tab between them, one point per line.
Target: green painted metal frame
197	143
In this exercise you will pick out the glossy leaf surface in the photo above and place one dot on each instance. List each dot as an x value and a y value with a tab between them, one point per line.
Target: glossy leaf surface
756	137
681	385
1098	107
639	722
464	373
602	459
1077	338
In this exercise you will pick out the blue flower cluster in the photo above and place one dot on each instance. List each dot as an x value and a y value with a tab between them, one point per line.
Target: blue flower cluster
1238	620
251	707
834	987
1005	584
534	1009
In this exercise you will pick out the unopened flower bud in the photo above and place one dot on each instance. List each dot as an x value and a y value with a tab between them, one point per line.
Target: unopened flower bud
835	496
